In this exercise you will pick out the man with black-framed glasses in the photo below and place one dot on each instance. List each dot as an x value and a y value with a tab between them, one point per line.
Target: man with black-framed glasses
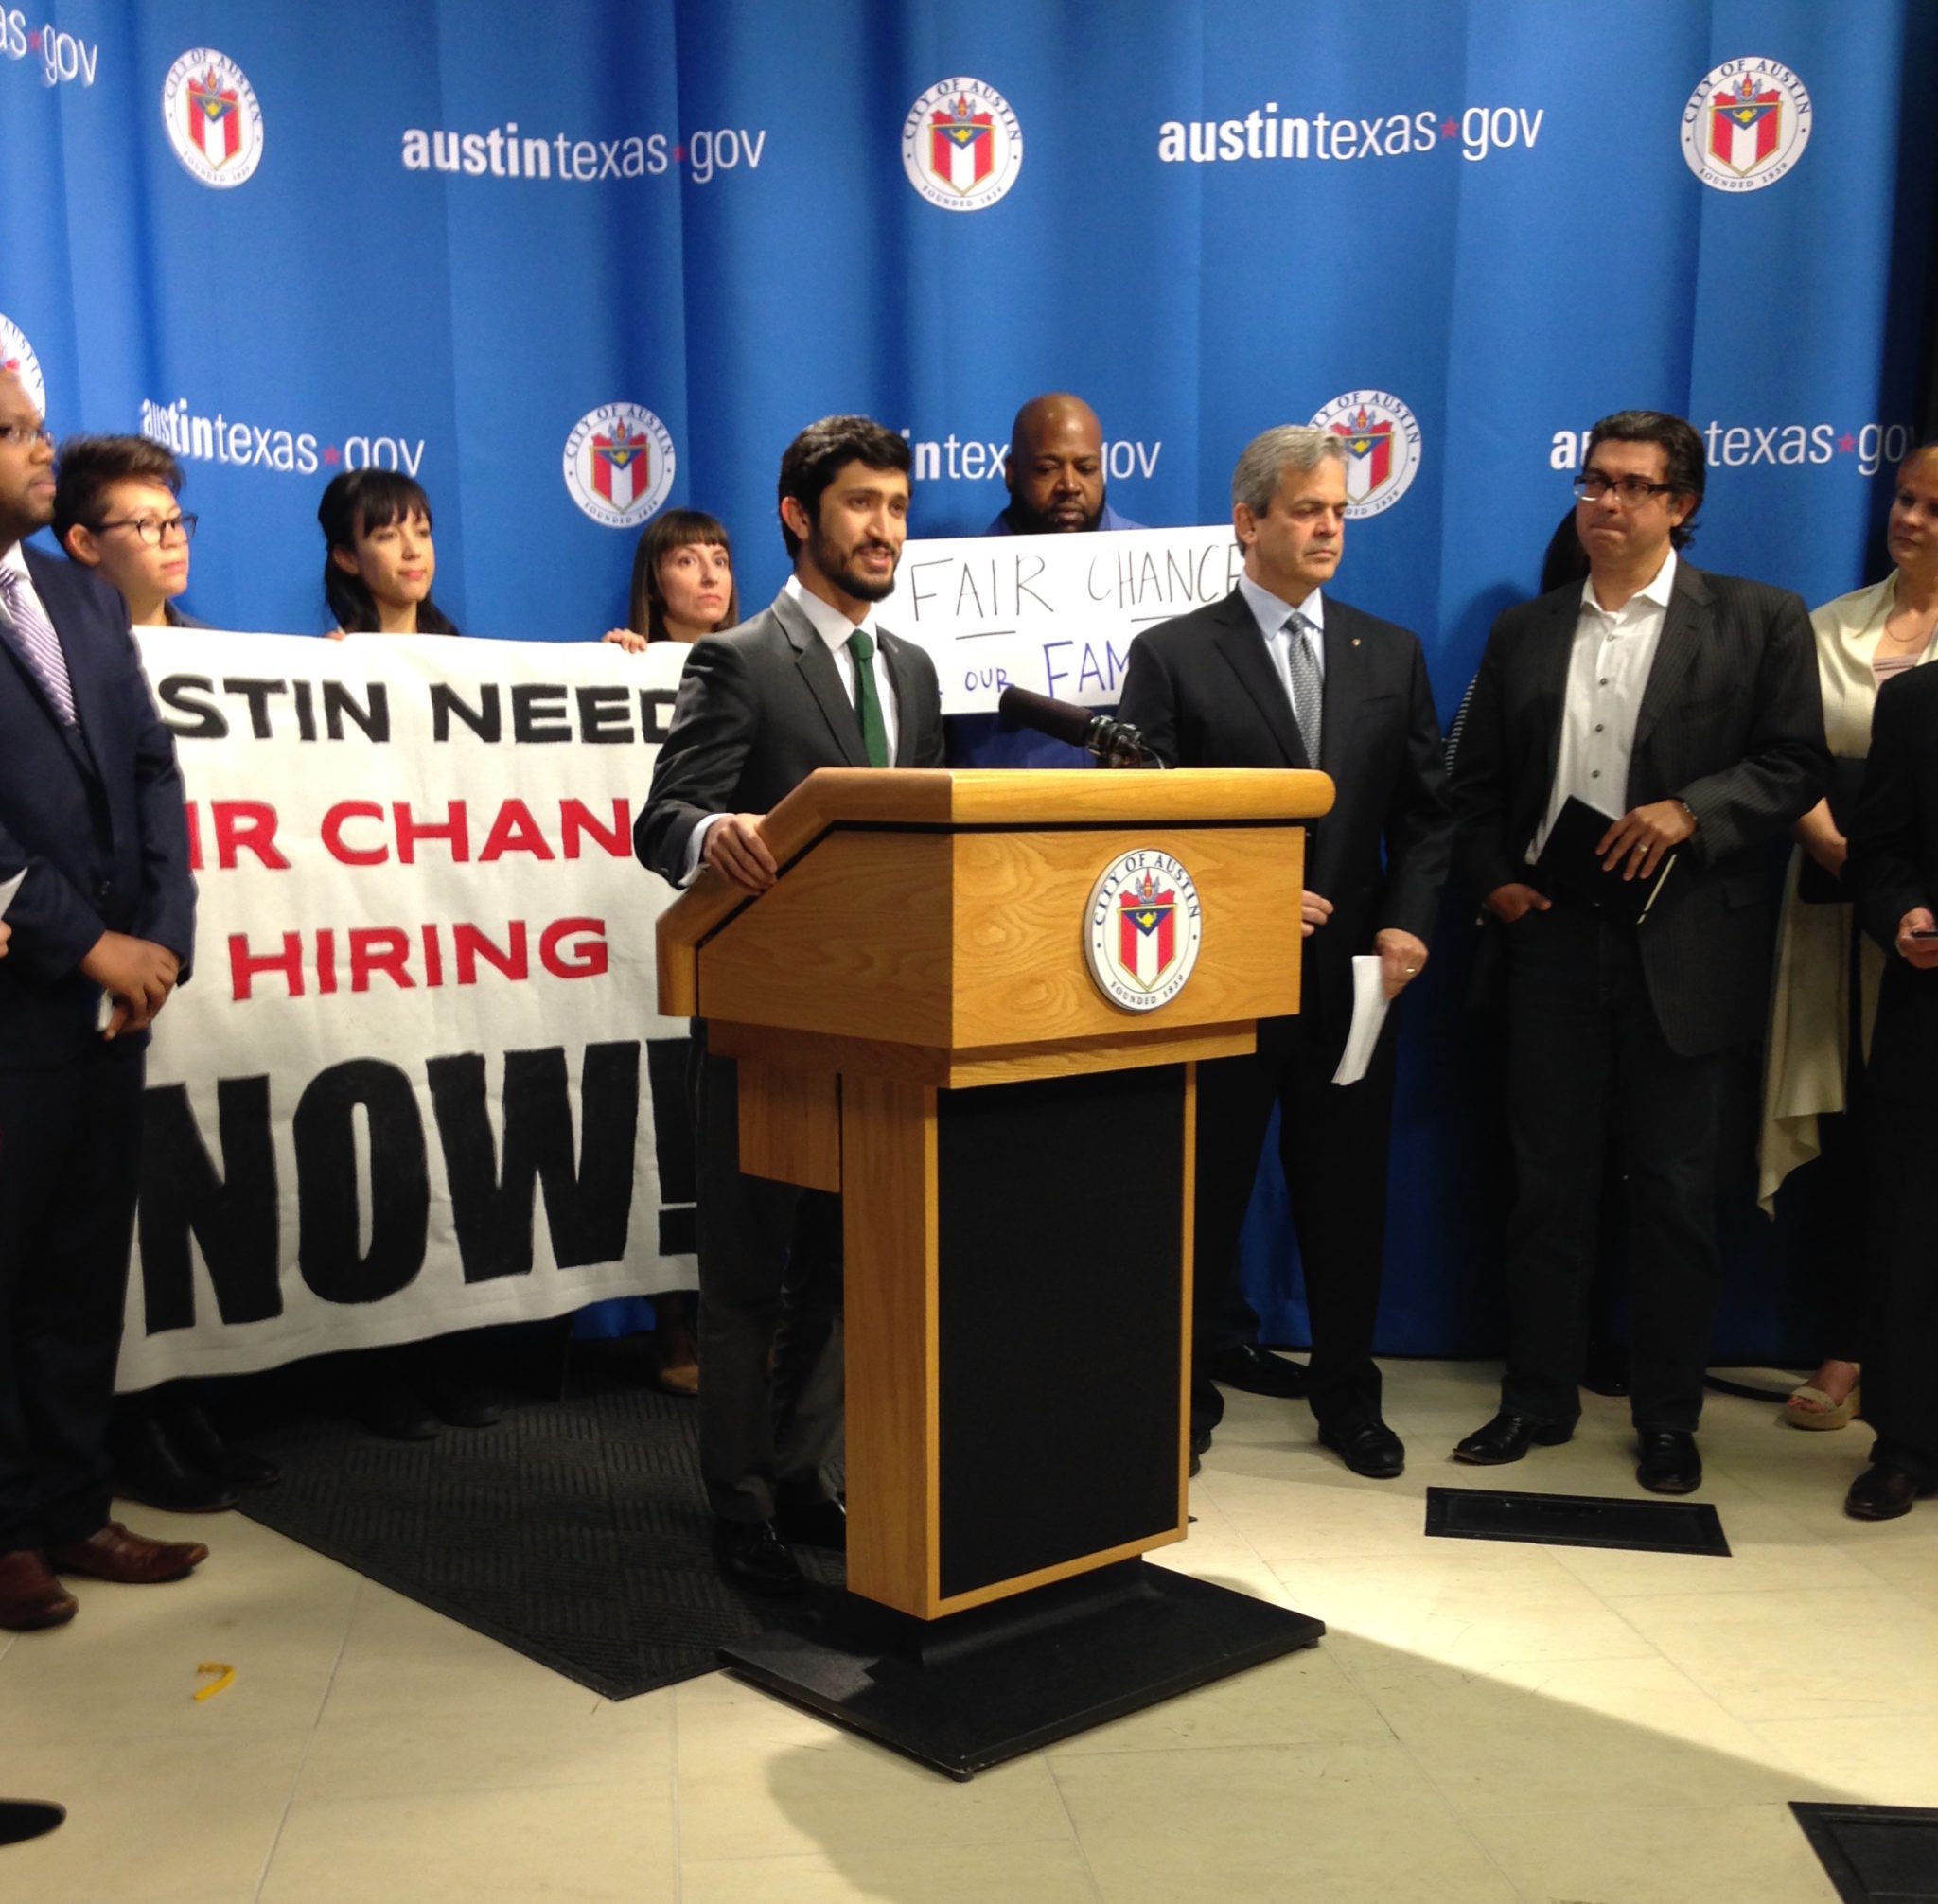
1683	708
117	511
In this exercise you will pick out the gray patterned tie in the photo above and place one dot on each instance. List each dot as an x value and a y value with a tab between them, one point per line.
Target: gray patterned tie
39	643
1308	689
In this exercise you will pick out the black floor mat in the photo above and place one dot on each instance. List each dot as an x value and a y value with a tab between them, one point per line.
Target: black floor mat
573	1531
1575	1520
1875	1854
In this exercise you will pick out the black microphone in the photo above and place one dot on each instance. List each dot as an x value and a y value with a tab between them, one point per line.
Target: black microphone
1114	743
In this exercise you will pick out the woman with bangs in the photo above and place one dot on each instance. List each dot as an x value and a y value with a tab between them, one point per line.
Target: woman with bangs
380	559
378	564
682	588
682	582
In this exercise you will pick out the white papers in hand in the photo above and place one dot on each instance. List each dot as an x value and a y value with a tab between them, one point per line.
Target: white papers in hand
1368	1014
8	888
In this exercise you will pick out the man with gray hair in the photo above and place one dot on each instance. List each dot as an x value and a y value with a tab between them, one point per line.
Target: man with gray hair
1276	674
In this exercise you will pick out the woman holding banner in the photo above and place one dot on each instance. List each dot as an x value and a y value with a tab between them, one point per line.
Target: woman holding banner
682	588
683	581
380	559
378	564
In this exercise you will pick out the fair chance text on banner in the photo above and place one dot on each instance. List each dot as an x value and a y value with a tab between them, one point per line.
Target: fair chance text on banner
407	1088
1052	613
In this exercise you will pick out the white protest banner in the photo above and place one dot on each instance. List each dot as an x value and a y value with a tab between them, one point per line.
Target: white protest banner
409	1084
1053	613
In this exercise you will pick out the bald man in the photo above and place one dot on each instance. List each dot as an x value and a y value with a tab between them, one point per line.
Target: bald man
1055	471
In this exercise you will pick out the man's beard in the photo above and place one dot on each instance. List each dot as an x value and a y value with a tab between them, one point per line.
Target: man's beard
851	581
1031	523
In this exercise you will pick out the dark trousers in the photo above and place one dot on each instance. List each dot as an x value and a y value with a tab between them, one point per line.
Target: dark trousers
770	1317
1899	1224
1586	1060
1332	1145
70	1141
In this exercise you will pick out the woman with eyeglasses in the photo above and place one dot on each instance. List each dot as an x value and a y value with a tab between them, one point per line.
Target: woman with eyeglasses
1827	972
380	559
117	511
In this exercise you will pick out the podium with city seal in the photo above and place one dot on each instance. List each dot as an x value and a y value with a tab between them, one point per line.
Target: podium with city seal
973	1004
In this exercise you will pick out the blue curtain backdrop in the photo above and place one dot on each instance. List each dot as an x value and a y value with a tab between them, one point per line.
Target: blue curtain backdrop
1487	215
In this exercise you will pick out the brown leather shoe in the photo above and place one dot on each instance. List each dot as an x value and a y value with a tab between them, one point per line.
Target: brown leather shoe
112	1553
30	1597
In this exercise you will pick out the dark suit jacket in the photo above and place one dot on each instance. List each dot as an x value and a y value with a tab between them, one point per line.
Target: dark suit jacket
1894	867
1206	693
94	816
759	709
1730	721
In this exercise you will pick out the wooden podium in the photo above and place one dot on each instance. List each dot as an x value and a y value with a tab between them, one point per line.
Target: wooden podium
973	1004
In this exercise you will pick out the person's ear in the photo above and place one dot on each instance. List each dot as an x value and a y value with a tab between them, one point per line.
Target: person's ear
796	517
81	544
346	560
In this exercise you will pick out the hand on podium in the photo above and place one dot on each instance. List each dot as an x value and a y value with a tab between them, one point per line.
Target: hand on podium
736	850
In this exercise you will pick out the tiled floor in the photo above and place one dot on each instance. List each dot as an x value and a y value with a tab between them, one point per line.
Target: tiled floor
1484	1722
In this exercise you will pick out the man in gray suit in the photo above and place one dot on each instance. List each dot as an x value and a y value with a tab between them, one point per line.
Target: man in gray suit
809	682
1684	708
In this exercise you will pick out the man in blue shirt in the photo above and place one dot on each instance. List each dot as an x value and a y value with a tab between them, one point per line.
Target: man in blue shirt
1054	473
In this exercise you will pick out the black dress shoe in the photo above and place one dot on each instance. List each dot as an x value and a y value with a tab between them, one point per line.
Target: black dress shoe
149	1468
1247	1365
1607	1371
392	1408
1669	1463
752	1555
1368	1448
195	1437
1882	1494
1507	1438
458	1406
1201	1446
819	1523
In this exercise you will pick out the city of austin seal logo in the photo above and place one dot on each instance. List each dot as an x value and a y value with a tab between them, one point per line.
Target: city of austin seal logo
1746	125
1142	930
1382	440
619	464
961	146
213	123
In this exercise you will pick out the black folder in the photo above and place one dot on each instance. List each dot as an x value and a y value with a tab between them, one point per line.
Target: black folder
1570	869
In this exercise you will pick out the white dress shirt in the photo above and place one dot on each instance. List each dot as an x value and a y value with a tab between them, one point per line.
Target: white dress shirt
1608	671
834	627
1269	611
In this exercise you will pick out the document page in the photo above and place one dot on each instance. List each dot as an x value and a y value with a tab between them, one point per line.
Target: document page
1368	1014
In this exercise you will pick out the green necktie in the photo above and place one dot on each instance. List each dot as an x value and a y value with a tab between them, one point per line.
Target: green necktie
875	736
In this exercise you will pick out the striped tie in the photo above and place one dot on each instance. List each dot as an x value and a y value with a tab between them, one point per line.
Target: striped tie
1308	689
38	641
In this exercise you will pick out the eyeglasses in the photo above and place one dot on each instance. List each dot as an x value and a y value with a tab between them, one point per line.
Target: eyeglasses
153	530
1630	491
27	432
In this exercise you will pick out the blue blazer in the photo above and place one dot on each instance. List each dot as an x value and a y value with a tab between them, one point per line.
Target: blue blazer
94	815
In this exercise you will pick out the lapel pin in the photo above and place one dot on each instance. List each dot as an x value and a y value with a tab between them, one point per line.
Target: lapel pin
1355	641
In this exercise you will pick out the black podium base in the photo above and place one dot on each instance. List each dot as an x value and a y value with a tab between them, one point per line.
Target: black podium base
967	1692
